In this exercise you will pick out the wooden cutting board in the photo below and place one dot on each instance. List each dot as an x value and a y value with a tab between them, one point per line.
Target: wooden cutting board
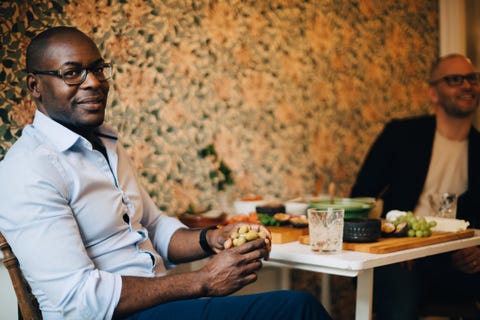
386	245
286	234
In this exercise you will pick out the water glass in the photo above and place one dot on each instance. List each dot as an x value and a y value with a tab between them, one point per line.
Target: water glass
443	204
325	228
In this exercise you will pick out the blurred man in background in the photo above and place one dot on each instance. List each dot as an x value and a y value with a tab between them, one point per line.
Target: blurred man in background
415	157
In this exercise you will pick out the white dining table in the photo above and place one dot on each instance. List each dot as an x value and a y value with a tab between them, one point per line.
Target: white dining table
347	263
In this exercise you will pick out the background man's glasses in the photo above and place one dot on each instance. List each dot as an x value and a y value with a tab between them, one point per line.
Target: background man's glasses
76	75
456	80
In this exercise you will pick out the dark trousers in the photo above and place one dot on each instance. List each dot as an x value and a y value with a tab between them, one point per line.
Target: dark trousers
399	293
291	305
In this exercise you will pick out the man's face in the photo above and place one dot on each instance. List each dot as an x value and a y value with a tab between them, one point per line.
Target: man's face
457	101
78	107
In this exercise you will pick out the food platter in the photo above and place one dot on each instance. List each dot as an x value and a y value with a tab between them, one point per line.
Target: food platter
387	245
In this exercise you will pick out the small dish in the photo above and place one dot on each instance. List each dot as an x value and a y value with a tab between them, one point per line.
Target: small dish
299	221
201	220
282	218
296	208
361	230
247	206
270	208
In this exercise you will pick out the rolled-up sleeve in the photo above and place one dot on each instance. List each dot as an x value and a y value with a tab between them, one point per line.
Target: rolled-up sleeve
160	227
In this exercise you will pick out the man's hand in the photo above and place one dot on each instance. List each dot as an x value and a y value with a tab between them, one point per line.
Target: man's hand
467	260
220	239
232	269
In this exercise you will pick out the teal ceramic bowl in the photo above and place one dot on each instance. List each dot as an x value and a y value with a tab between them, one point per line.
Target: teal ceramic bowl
353	208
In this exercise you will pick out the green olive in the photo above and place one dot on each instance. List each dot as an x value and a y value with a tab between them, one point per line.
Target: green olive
251	235
243	229
244	234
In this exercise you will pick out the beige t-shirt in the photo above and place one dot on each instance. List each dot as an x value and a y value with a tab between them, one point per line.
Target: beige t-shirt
448	171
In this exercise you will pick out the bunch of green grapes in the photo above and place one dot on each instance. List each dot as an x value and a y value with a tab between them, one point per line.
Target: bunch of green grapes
416	226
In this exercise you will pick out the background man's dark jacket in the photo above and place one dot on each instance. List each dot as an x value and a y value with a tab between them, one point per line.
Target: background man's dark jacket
397	166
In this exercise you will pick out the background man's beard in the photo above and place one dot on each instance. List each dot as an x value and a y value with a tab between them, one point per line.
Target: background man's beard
456	112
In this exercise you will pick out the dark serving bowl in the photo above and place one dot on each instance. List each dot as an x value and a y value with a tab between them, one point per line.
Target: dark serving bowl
361	230
270	208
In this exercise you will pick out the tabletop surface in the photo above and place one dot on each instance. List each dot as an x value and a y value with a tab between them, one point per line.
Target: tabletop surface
300	254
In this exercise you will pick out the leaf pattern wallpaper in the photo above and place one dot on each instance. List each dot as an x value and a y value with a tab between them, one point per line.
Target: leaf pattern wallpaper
283	91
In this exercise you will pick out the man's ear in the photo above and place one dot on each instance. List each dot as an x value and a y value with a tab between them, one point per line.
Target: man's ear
433	94
33	86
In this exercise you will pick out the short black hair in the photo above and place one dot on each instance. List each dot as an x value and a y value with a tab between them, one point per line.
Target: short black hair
40	43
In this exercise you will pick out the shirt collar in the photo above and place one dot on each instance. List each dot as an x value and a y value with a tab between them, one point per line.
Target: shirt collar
62	137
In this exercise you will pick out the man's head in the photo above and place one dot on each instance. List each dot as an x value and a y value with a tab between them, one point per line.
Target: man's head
56	63
455	86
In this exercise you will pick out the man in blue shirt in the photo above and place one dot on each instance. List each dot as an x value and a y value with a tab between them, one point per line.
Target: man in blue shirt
89	239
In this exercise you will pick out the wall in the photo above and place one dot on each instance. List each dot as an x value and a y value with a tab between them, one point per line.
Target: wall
472	22
284	90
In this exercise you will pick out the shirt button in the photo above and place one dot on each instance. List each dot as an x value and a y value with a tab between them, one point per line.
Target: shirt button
126	218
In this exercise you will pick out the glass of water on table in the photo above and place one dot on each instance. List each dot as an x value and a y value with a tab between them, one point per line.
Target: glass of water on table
443	204
325	227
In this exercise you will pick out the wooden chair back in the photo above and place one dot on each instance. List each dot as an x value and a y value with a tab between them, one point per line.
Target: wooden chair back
27	302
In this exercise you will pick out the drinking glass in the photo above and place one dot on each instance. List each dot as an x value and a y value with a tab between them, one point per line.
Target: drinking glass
325	228
443	204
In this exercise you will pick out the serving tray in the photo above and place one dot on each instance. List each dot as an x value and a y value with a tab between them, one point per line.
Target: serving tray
387	245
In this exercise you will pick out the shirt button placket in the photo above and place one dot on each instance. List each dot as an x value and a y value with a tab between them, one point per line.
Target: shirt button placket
125	217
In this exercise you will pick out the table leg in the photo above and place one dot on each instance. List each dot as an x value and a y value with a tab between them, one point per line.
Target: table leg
325	297
284	278
363	308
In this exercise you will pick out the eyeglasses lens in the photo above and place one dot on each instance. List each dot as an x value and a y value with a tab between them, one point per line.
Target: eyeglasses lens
77	76
457	80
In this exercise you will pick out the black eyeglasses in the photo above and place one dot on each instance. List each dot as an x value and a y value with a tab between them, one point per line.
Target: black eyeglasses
456	80
74	75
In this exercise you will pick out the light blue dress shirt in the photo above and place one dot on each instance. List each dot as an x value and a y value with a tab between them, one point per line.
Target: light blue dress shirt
77	222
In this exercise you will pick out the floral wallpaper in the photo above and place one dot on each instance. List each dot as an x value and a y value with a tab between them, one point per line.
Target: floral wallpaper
284	90
248	96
